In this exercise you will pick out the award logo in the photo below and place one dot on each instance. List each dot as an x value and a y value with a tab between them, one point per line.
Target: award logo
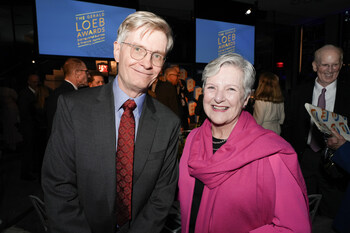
226	41
90	28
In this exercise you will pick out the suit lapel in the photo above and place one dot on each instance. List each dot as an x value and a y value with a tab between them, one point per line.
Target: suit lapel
104	113
144	139
338	103
309	92
104	130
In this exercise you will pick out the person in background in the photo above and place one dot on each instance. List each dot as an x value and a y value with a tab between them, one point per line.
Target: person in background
161	77
88	153
341	157
42	93
95	79
75	76
304	136
269	107
172	75
29	128
165	93
9	116
236	176
199	111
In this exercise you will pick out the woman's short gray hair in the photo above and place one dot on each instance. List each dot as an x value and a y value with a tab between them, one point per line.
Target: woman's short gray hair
236	60
148	20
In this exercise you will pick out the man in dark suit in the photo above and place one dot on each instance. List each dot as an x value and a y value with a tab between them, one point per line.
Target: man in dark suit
300	131
79	170
341	157
172	75
165	93
75	76
29	127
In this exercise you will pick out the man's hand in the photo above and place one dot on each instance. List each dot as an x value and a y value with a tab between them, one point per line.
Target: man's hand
336	140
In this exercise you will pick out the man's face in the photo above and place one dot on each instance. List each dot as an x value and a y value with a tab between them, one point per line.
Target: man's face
82	76
173	76
33	81
183	74
328	67
135	76
97	81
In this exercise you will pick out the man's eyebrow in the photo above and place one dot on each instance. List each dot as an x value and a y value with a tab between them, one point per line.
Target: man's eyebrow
156	51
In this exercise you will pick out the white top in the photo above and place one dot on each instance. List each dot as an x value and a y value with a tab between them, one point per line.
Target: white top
269	115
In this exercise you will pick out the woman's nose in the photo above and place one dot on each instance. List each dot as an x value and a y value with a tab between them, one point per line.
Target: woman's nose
219	97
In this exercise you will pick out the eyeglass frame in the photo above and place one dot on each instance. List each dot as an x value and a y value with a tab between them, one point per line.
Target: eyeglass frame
147	51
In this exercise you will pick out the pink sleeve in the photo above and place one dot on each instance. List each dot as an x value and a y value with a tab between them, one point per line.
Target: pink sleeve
186	186
291	210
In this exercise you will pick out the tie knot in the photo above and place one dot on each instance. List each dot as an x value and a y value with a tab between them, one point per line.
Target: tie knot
323	90
129	105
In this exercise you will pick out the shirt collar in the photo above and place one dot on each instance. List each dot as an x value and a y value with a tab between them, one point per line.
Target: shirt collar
330	87
120	97
32	90
75	87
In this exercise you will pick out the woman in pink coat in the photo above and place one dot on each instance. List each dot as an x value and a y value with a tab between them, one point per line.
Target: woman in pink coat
236	176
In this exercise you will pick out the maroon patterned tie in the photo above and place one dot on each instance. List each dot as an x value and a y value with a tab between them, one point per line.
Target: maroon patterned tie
125	157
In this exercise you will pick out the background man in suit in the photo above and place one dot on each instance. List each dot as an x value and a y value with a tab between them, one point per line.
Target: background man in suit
327	64
165	93
29	127
172	75
75	76
79	170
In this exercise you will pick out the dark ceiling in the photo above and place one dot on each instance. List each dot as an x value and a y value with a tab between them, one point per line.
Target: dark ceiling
283	11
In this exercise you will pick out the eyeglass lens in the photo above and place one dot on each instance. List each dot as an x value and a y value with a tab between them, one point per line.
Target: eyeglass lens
139	53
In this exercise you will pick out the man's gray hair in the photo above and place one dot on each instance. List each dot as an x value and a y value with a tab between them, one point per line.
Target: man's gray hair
149	21
317	56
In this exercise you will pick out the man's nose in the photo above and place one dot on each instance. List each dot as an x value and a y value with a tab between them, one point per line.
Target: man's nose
147	60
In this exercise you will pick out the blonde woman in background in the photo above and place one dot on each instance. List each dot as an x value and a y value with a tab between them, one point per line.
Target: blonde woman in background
269	106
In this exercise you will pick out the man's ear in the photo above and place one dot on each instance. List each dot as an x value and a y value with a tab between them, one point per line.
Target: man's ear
76	74
314	66
116	51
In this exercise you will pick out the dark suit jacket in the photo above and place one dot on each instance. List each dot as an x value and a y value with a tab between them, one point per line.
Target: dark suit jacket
79	174
166	94
297	118
26	105
199	110
51	102
341	221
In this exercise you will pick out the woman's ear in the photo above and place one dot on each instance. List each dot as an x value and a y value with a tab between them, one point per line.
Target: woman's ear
246	101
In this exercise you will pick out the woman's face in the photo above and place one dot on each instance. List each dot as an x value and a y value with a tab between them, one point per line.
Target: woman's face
223	97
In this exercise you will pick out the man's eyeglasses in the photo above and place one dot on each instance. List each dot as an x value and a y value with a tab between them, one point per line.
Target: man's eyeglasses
138	53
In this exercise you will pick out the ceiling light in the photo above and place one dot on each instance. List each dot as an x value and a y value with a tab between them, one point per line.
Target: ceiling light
248	12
